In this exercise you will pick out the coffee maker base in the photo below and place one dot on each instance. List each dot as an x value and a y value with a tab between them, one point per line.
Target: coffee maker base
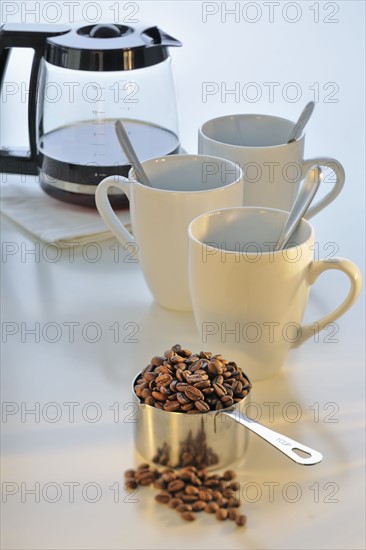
80	195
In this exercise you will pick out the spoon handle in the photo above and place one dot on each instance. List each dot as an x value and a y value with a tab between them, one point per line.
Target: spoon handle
129	151
301	123
283	443
302	202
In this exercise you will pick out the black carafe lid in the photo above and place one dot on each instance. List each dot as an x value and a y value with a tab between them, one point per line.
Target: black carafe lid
109	47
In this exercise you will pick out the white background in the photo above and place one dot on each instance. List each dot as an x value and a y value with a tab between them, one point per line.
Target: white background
223	52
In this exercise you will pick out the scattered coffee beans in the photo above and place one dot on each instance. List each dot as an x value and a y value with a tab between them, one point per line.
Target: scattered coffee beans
180	381
191	490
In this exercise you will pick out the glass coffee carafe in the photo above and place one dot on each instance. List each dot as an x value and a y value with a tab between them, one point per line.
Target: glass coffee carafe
82	81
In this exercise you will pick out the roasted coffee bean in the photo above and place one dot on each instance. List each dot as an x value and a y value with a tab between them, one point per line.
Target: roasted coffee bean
234	486
229	475
158	405
180	387
221	514
241	521
215	367
202	385
174	502
138	389
220	389
196	378
195	480
199	505
149	400
191	490
168	476
183	399
189	498
193	393
173	385
163	498
202	406
208	391
163	380
172	406
218	380
176	348
212	507
179	373
175	485
176	359
158	484
227	401
232	514
217	495
172	397
192	359
234	502
159	396
130	473
186	353
131	483
185	474
164	390
149	376
184	508
188	406
146	480
219	405
145	393
211	483
188	516
157	361
193	411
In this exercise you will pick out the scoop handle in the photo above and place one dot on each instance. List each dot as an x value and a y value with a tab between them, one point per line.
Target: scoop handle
283	443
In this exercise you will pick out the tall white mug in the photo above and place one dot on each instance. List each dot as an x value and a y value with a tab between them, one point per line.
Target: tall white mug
272	168
249	300
183	186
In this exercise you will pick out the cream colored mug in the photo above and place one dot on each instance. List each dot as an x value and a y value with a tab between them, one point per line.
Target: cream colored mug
248	300
272	168
183	186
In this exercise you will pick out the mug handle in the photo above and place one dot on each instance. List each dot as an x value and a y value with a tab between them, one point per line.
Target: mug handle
106	211
354	275
339	172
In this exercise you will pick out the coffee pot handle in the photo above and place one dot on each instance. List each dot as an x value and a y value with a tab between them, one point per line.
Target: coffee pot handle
25	36
355	278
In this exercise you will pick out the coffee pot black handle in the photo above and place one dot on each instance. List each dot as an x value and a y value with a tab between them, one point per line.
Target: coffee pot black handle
25	36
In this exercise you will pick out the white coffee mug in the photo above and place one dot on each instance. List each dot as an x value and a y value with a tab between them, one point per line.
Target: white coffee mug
272	168
183	186
248	300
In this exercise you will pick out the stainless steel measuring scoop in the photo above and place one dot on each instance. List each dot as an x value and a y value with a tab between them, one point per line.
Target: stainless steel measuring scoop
211	440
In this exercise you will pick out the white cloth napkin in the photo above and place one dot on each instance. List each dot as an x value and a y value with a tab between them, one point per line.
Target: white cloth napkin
48	219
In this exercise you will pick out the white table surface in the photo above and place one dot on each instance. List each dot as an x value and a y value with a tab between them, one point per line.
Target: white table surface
288	506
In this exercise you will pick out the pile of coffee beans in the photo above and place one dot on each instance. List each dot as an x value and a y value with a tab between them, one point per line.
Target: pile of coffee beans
190	490
180	381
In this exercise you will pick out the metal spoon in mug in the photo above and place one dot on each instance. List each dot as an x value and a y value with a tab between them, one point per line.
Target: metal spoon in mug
302	202
130	153
301	123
